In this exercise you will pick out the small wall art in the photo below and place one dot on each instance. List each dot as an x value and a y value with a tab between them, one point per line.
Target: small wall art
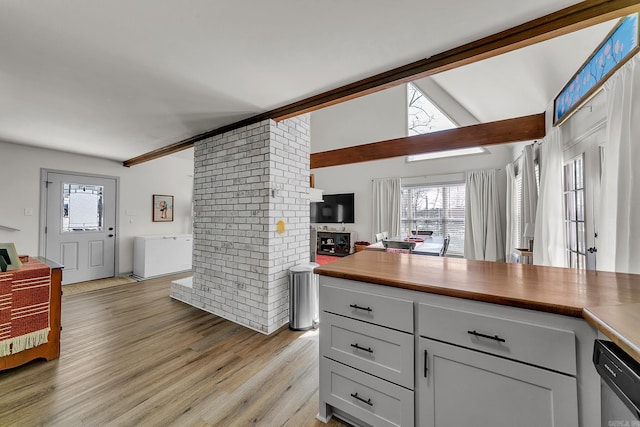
162	208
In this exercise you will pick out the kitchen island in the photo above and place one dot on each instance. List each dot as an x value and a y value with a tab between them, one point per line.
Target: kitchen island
412	340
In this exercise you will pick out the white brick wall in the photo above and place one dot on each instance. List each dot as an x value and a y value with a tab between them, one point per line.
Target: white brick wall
245	181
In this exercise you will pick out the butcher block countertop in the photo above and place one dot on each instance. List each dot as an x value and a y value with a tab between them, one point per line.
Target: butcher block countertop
620	323
606	300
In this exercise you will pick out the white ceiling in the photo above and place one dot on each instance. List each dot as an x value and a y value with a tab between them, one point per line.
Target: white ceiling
117	78
524	81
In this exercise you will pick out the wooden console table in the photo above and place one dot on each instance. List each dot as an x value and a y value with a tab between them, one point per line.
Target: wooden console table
51	349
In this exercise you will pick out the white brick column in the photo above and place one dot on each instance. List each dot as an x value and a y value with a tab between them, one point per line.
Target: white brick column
245	182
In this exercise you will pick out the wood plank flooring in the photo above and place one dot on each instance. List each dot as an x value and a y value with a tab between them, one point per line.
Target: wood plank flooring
92	285
132	356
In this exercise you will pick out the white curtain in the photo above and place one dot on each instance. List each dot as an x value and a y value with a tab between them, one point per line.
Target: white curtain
529	192
512	223
386	206
619	231
483	238
548	243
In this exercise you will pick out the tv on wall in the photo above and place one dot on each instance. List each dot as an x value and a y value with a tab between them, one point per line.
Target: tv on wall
336	208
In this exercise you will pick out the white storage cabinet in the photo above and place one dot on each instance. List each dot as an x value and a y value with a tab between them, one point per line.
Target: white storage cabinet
160	255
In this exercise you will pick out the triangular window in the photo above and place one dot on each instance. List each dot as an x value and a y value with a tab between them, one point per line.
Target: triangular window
424	117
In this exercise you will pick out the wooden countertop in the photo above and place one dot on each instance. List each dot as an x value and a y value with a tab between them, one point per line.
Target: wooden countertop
607	299
620	323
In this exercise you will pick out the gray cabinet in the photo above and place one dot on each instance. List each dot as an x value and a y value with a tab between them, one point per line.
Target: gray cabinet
480	369
462	387
391	356
366	358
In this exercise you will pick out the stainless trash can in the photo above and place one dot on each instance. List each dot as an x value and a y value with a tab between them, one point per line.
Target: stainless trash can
303	297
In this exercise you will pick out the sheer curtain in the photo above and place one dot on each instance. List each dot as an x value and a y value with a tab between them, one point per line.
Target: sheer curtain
512	223
483	238
548	242
529	191
619	236
386	206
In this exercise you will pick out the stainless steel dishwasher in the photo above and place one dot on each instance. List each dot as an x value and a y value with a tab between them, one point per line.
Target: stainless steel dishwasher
620	385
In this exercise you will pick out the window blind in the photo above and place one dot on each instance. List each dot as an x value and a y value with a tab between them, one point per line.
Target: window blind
519	210
438	208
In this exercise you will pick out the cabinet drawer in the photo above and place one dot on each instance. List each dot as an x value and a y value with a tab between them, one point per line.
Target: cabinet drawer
367	398
530	343
382	352
378	309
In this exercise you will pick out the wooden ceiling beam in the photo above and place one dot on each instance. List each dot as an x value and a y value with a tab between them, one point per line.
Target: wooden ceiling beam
189	142
527	128
564	21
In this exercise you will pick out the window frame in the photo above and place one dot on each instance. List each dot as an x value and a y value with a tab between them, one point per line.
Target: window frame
456	232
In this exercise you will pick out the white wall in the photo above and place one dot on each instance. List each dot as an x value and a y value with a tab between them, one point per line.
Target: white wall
20	174
376	117
379	117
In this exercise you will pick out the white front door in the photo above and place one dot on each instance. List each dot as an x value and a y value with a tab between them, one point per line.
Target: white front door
80	221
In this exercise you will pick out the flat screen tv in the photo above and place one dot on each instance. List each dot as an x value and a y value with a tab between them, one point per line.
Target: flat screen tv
336	208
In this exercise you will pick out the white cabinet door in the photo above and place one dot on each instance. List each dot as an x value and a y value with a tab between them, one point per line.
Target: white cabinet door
461	387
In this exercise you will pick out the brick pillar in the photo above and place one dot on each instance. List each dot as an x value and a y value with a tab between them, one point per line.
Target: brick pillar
245	182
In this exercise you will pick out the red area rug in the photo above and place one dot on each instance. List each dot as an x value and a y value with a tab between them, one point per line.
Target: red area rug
326	259
24	307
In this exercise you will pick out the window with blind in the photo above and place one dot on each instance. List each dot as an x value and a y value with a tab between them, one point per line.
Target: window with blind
438	208
518	209
518	204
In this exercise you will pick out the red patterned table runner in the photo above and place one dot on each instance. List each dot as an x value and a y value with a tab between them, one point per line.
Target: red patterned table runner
25	297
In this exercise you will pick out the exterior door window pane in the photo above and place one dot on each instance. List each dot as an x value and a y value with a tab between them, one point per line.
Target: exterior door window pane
580	205
569	177
581	238
569	205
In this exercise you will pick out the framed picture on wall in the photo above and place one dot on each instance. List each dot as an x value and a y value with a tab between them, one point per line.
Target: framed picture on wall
162	208
10	260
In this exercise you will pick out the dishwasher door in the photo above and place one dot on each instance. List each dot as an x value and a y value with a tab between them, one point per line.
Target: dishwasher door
620	385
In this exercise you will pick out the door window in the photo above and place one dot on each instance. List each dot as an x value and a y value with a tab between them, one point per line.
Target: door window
82	207
574	217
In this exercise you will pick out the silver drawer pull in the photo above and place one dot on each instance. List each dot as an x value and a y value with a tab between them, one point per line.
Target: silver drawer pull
494	337
362	348
357	307
368	401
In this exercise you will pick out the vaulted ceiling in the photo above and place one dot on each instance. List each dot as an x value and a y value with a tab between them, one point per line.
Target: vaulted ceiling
116	79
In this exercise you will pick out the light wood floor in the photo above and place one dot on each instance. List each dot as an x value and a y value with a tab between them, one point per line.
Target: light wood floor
132	356
92	285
